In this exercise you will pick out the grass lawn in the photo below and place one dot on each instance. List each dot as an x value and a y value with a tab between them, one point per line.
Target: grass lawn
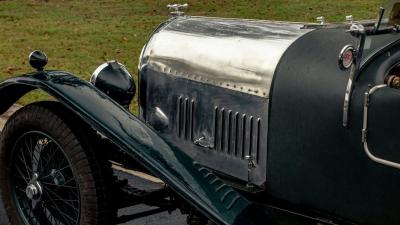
79	35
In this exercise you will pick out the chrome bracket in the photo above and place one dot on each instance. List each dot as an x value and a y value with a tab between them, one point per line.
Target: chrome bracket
321	20
356	30
349	19
250	166
364	136
175	9
203	142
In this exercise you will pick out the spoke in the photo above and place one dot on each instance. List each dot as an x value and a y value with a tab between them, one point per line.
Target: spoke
59	216
72	204
40	214
59	197
73	191
20	177
65	167
30	214
26	180
61	186
71	179
29	147
64	200
50	216
64	215
57	171
50	159
19	189
26	207
21	195
25	163
44	158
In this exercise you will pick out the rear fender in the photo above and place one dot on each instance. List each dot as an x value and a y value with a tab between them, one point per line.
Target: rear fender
189	179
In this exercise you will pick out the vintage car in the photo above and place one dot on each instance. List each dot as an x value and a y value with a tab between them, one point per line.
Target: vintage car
241	122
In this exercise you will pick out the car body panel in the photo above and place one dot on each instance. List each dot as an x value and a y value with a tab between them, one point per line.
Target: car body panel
187	177
383	105
210	124
308	157
216	51
224	68
313	160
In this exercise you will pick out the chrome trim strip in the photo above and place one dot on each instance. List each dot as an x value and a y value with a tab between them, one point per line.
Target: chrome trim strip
96	72
357	30
101	67
364	135
140	57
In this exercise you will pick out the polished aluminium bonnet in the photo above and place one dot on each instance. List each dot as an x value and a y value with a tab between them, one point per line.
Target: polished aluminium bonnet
237	54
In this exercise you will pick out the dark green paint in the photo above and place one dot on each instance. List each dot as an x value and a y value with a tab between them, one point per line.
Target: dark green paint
190	180
313	161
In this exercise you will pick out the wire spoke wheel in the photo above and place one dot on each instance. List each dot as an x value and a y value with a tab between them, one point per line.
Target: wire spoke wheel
52	170
43	184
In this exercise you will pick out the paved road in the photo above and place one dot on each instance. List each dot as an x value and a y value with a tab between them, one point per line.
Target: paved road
163	218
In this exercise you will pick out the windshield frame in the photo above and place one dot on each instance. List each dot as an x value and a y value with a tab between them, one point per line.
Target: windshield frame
392	12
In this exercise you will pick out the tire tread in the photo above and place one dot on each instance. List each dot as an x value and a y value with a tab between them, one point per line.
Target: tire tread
81	144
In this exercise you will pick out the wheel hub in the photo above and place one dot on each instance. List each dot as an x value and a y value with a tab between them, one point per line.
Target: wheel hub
34	189
45	190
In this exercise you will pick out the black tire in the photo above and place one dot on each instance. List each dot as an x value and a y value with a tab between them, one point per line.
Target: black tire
91	172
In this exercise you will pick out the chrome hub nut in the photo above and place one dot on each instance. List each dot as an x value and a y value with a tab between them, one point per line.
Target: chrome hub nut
33	191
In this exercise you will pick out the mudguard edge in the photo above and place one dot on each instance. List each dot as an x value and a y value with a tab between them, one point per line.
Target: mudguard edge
196	184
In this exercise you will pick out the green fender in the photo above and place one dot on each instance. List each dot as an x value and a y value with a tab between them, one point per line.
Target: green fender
194	183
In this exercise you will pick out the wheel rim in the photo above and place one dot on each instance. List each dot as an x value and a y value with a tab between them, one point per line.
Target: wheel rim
43	184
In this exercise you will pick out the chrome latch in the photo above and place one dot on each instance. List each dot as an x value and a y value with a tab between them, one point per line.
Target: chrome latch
175	9
203	142
349	19
250	166
321	20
